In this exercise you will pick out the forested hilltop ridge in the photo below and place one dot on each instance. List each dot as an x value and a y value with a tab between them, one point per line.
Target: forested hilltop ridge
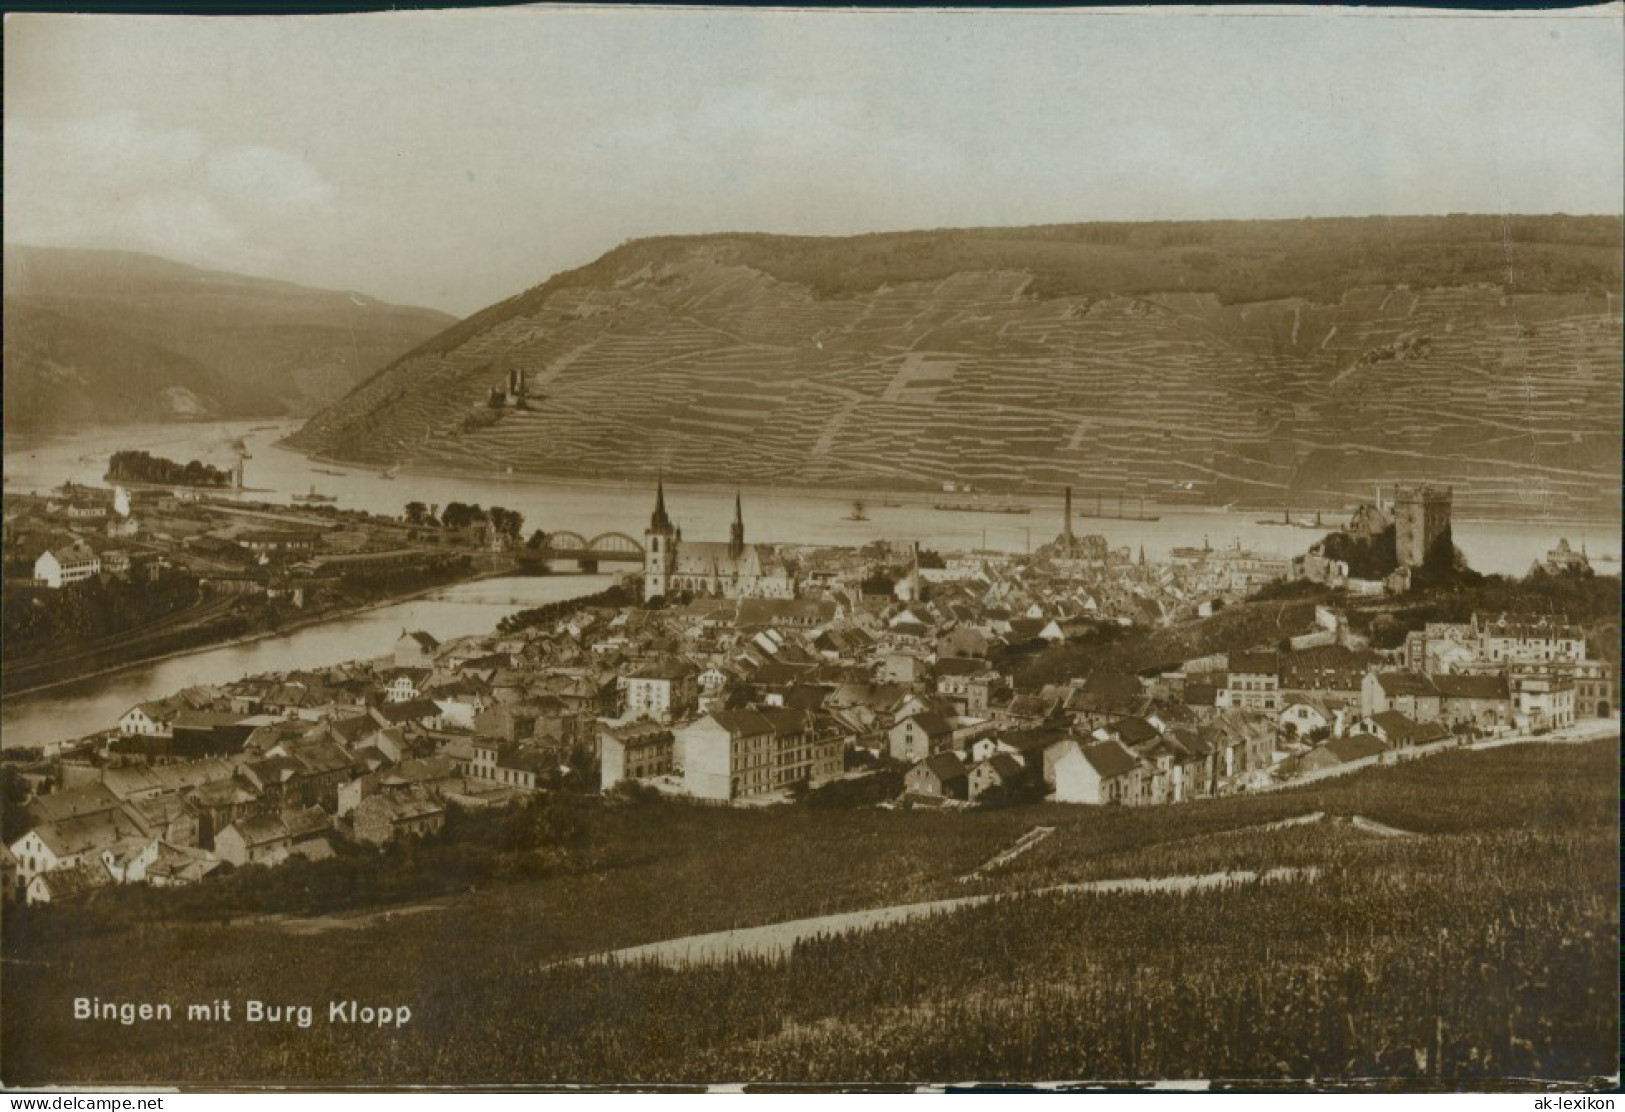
108	337
1263	362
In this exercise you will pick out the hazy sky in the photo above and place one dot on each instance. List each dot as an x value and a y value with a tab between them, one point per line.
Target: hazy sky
455	158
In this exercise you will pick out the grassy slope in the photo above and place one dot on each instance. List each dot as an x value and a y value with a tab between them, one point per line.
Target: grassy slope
100	334
1506	908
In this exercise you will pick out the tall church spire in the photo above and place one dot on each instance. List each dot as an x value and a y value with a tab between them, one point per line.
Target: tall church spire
659	522
736	539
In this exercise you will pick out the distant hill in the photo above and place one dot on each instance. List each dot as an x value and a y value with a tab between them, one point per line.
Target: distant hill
1270	363
113	336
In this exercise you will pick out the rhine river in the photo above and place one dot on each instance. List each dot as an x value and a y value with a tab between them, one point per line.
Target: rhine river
275	474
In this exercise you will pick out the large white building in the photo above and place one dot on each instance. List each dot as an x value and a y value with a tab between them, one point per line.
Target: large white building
58	569
730	754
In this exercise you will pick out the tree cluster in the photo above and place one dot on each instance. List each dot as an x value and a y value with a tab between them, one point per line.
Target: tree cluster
143	467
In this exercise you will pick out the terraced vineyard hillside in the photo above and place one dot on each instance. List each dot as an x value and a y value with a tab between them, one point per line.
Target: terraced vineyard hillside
1169	361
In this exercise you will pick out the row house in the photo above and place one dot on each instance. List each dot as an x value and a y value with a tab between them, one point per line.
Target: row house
1104	697
75	882
508	764
1593	682
968	681
402	685
1542	701
306	773
269	839
1340	751
1096	773
1539	641
50	846
388	816
1481	701
1309	713
415	649
1397	730
1413	694
152	719
735	754
634	751
942	775
1001	770
1252	682
919	735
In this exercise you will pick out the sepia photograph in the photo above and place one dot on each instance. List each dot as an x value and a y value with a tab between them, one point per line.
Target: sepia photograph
612	547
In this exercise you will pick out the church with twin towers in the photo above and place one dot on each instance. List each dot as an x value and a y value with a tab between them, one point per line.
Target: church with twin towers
719	569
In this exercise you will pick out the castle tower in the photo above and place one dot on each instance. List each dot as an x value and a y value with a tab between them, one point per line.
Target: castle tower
736	538
659	547
1421	517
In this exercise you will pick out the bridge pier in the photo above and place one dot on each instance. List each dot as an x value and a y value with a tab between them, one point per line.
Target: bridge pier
588	565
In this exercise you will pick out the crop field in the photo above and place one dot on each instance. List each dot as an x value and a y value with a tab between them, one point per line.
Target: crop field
705	367
1455	925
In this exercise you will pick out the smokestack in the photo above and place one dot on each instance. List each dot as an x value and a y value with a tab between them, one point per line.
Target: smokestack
1068	530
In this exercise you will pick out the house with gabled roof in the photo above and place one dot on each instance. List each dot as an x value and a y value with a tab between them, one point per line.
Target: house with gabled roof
271	838
1483	701
1306	713
72	883
1105	696
50	846
1001	770
918	736
415	649
1097	773
176	866
941	774
757	751
388	816
1397	730
1409	692
401	685
149	719
1341	751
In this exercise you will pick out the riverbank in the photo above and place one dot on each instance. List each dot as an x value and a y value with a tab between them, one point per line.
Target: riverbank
307	621
880	495
364	631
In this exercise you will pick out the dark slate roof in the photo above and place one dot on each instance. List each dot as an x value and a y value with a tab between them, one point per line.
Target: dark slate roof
1200	695
1116	692
1354	747
1110	759
1025	629
409	711
1406	683
1031	706
742	723
1005	766
1032	741
934	725
945	765
1472	687
1134	731
1253	664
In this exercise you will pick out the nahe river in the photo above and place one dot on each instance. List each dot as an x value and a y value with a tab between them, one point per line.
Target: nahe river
85	706
589	507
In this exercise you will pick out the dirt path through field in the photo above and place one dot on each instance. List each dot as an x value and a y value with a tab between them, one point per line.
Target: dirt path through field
776	940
